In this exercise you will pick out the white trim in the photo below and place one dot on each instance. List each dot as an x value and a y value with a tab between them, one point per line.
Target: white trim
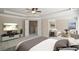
65	15
59	11
14	13
27	26
6	15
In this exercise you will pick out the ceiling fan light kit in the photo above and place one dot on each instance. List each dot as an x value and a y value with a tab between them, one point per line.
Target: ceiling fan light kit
33	12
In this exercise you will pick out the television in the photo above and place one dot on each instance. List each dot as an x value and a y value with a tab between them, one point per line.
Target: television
10	26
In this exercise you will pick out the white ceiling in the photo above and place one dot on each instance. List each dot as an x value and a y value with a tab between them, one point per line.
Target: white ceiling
26	12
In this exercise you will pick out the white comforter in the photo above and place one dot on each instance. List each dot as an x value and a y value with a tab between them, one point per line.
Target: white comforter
71	40
46	45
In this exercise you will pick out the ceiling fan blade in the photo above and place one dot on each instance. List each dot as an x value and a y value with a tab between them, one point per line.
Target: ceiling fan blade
33	9
38	11
36	8
27	8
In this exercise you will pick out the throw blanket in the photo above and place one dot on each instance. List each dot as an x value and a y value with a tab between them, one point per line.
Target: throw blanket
26	45
46	45
42	43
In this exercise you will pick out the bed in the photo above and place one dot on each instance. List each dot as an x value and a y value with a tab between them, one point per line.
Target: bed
42	44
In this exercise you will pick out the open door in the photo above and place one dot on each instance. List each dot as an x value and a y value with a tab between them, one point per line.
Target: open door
33	27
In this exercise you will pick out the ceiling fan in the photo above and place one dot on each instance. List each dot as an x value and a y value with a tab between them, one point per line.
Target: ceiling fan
33	10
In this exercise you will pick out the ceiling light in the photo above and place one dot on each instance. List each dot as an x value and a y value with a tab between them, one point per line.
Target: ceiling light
33	12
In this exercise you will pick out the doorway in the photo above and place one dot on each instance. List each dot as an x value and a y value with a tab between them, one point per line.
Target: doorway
33	27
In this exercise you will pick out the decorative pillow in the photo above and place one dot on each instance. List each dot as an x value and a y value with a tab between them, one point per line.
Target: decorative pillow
62	43
72	41
75	36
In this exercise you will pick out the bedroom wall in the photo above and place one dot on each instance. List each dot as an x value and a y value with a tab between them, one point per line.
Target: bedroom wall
62	19
62	24
4	19
77	25
45	28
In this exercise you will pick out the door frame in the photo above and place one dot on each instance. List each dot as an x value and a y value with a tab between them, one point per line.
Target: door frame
39	32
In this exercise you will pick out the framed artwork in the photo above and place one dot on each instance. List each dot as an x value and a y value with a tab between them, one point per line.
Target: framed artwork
72	24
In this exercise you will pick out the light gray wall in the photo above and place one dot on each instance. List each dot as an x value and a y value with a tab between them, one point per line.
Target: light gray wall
62	24
45	28
62	19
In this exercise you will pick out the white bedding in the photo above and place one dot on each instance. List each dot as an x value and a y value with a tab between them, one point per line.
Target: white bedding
71	40
46	45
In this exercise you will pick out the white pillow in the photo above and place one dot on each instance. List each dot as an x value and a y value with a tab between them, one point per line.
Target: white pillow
72	41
